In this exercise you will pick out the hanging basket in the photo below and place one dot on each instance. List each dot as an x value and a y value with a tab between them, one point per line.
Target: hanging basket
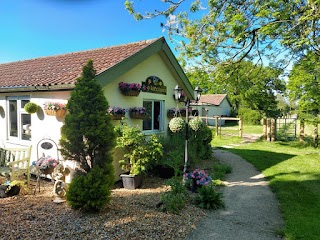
60	112
57	113
117	116
196	124
131	93
136	115
176	124
50	112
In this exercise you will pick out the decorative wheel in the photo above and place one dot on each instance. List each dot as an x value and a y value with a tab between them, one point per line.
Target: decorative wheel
60	188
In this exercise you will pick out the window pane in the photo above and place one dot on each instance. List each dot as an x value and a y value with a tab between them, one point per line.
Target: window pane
26	126
156	116
13	118
24	102
147	123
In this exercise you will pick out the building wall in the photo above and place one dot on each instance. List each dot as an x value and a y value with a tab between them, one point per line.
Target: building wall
210	111
44	126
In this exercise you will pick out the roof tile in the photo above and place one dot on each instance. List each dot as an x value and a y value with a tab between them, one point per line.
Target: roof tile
65	68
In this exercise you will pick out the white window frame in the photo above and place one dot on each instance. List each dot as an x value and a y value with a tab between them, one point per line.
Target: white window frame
161	117
20	112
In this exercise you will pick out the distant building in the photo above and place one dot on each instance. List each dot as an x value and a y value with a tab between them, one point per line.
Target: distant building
211	105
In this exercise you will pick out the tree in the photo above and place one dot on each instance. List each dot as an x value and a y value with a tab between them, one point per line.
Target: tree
213	32
248	85
88	137
304	86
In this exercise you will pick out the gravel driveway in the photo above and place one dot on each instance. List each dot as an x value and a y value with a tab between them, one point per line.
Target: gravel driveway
251	210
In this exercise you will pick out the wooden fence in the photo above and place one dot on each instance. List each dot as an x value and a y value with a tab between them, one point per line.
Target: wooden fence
218	123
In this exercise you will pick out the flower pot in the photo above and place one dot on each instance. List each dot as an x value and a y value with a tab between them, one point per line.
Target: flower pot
117	116
136	115
130	92
47	170
131	181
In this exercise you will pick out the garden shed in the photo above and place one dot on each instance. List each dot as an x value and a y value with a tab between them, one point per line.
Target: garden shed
211	105
133	76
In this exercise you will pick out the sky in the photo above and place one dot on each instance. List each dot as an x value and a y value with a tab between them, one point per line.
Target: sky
38	28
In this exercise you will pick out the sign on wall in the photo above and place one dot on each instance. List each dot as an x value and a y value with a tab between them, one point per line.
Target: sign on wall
154	84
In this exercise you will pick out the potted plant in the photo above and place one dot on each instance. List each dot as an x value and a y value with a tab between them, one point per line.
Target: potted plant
176	124
11	188
54	108
138	112
130	89
31	107
46	164
116	113
138	153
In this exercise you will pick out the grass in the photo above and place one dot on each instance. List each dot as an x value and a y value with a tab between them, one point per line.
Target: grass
227	130
294	175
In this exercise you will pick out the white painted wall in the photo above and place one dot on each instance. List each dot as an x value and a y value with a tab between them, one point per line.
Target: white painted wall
44	126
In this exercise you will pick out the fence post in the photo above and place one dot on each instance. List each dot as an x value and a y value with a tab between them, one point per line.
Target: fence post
240	127
273	129
217	125
264	124
316	136
301	133
268	129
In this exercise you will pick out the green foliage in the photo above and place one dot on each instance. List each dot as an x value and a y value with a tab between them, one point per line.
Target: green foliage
31	107
174	200
90	192
138	151
87	133
304	82
199	146
230	31
293	172
209	198
220	170
88	138
250	116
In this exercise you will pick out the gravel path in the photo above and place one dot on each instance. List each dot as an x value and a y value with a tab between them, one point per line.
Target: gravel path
251	210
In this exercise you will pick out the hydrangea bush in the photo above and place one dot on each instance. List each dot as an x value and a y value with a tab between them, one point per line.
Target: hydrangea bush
199	176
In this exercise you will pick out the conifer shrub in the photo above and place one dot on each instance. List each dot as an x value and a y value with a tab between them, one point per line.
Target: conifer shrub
88	137
89	192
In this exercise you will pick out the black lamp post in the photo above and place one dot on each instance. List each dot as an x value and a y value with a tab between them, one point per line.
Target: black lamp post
177	95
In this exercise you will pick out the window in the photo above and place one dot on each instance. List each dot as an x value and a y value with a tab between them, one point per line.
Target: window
154	122
19	121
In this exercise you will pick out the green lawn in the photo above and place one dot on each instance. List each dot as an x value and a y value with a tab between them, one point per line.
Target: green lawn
294	175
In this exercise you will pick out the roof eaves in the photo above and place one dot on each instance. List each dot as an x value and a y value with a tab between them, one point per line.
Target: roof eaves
37	88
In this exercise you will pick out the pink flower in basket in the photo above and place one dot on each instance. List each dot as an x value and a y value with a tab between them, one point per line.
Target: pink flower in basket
46	162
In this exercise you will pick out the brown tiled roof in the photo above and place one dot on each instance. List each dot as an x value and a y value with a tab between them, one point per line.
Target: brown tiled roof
66	68
214	99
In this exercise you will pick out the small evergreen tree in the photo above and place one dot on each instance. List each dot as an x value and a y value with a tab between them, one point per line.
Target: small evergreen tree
87	134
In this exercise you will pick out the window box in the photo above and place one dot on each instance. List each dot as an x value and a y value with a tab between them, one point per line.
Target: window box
130	89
